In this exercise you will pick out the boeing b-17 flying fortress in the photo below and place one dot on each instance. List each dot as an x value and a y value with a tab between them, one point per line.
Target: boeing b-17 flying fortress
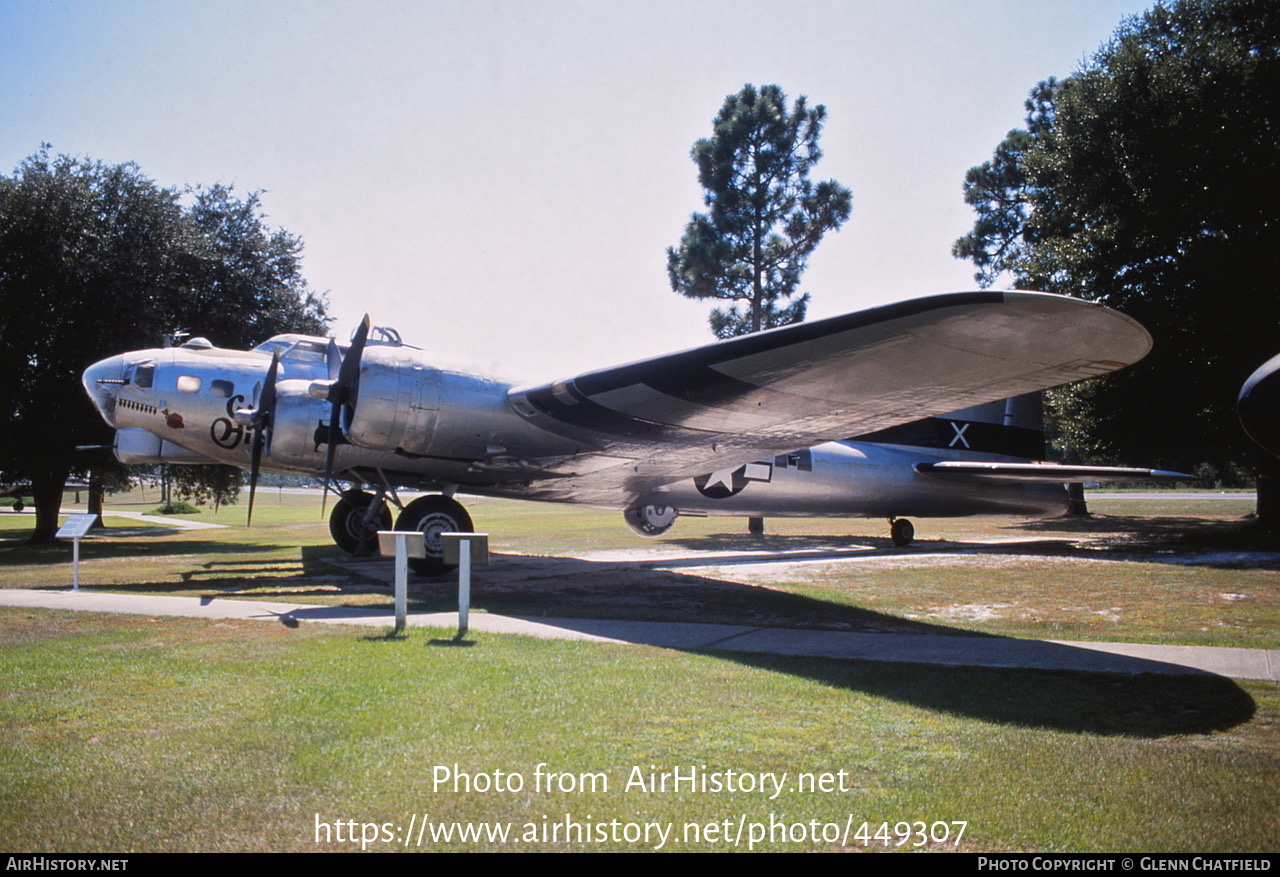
924	408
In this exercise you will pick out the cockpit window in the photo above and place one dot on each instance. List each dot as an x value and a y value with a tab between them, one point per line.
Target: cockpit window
307	351
303	355
222	389
272	346
189	384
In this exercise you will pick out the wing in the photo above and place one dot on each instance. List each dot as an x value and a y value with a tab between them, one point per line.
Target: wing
683	414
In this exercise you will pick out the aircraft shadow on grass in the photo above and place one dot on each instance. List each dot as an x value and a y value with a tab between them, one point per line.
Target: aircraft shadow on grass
926	664
1172	540
1043	684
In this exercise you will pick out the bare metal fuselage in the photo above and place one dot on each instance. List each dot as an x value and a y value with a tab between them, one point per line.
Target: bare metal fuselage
452	430
924	408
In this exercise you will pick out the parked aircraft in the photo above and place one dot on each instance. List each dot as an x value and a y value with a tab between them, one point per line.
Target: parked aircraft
920	408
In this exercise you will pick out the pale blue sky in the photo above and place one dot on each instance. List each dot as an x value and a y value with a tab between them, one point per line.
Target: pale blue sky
500	179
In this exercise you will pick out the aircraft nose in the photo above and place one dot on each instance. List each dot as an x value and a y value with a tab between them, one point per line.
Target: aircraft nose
102	381
1259	405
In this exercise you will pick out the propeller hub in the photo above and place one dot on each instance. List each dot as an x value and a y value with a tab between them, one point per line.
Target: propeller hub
322	390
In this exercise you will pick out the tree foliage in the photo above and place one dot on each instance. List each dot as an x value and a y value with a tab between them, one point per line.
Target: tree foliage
1149	179
764	215
96	259
202	485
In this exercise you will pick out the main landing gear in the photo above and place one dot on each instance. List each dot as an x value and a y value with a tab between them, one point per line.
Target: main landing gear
901	531
355	521
433	515
358	516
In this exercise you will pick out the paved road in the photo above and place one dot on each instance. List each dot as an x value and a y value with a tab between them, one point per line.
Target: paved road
159	520
1244	496
970	651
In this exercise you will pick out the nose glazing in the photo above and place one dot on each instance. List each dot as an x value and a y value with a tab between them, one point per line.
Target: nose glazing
102	381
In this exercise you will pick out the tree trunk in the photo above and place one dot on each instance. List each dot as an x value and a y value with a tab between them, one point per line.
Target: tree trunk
1269	502
46	490
95	495
1076	505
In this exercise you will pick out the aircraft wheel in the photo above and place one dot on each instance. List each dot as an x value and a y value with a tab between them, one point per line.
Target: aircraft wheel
433	515
347	525
902	531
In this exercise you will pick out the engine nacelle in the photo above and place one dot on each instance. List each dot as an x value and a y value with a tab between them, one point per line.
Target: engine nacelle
397	405
404	406
650	520
298	429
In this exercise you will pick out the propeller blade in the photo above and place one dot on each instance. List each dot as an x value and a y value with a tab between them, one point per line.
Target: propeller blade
267	402
349	374
255	466
343	393
328	461
333	358
263	418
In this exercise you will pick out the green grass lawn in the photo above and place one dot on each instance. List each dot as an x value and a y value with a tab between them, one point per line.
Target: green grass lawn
171	734
131	734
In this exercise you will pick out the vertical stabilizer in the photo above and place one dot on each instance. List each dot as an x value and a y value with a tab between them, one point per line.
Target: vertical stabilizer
1011	427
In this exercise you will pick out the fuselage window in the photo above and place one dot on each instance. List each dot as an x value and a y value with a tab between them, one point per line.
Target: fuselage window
222	389
802	460
144	375
189	384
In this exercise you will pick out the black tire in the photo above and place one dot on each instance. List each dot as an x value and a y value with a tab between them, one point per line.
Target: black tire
431	516
347	527
902	531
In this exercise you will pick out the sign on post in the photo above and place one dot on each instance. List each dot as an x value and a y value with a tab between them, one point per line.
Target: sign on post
465	549
73	528
403	544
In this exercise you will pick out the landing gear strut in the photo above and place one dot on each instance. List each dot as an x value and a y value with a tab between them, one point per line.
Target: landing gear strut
433	515
356	520
901	531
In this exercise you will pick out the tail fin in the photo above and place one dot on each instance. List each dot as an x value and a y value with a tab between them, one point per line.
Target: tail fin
1011	427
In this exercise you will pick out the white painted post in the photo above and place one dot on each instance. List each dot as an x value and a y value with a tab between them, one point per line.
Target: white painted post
402	580
466	550
404	544
464	585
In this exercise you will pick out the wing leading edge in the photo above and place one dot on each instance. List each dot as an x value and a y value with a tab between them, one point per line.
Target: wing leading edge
686	413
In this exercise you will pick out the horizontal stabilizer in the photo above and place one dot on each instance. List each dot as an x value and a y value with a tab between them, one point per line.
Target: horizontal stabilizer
1045	473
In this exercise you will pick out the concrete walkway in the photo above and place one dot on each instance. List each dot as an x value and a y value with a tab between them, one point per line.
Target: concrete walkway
159	520
972	651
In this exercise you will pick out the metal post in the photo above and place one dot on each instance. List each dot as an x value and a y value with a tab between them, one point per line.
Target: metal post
402	580
464	586
403	544
75	527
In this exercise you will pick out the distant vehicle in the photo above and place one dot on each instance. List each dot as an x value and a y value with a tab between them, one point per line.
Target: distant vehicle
903	410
